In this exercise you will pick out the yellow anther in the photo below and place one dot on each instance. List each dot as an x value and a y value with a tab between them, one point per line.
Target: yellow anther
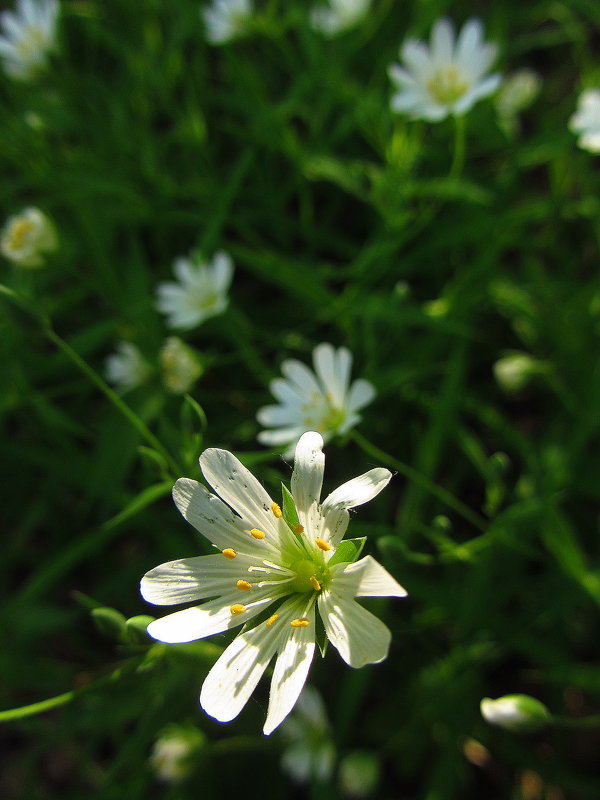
244	585
271	620
237	608
298	529
229	552
301	622
276	510
257	534
315	583
323	545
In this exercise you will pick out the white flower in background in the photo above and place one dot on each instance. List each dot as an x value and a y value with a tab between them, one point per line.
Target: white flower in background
127	368
585	122
28	36
338	16
226	19
281	566
27	238
518	713
514	371
449	77
180	365
200	293
310	754
518	91
322	400
175	752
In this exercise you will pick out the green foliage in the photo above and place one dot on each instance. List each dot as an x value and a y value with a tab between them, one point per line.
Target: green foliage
347	224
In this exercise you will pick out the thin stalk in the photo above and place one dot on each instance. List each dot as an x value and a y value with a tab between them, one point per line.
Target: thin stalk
458	155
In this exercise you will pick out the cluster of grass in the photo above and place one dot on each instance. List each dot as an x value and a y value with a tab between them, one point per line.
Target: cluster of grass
346	224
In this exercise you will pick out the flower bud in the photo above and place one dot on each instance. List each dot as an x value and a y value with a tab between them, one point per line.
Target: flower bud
518	713
180	365
514	371
27	238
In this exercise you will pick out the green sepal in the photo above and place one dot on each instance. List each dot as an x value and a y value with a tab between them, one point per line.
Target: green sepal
320	635
109	622
347	551
290	514
136	629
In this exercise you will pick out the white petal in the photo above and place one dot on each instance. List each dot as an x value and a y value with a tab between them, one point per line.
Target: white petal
215	520
234	676
482	89
212	617
366	578
291	670
469	40
442	41
324	358
359	490
287	393
307	480
300	376
416	56
400	76
360	637
361	394
280	436
222	271
275	415
189	579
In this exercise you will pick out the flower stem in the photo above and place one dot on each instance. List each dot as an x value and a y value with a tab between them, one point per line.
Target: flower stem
49	332
458	156
575	722
426	483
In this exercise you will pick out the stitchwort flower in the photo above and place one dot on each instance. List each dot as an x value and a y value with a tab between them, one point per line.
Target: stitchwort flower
275	569
127	367
585	122
200	291
322	400
226	20
447	78
28	36
27	238
338	16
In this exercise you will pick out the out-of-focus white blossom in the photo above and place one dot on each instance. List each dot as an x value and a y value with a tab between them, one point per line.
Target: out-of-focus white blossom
180	365
585	122
175	751
27	238
127	368
448	77
518	713
338	16
28	36
310	754
225	20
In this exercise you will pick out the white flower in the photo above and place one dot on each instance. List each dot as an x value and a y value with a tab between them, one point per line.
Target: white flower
180	365
200	293
126	368
28	35
226	19
310	754
518	713
175	752
446	78
281	570
324	401
27	237
338	16
585	122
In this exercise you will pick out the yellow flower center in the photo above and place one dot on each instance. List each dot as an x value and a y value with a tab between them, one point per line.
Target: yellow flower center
19	232
448	84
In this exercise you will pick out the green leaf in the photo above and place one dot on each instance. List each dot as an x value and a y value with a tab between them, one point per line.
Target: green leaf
290	513
348	551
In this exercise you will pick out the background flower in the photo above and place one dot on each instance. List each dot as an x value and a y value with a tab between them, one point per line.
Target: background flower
127	368
338	15
27	238
585	122
323	400
28	36
226	19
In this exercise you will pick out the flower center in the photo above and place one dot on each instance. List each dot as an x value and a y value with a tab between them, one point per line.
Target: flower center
323	416
448	84
19	233
311	576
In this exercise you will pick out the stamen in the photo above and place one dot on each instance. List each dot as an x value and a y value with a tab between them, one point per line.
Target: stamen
259	569
229	552
323	545
244	585
271	620
298	529
315	583
275	583
276	510
301	622
237	608
257	534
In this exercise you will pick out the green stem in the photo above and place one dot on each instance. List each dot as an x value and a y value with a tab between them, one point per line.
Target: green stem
63	699
574	722
417	477
458	156
94	377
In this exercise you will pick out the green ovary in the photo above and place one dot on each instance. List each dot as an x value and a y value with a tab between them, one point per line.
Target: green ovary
305	570
448	85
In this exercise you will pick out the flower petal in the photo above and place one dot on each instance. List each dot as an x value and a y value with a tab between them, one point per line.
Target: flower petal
366	578
361	393
360	637
353	493
442	42
291	669
307	480
189	579
301	377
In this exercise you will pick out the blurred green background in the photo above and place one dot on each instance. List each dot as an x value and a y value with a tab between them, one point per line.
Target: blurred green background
142	142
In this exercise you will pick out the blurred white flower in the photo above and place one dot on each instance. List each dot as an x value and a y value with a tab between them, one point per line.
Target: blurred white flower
27	238
201	291
322	400
518	91
226	19
28	36
180	365
284	563
585	122
518	713
514	371
310	754
175	751
127	368
338	16
449	77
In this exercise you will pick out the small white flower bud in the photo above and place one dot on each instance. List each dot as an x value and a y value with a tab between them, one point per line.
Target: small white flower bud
518	713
